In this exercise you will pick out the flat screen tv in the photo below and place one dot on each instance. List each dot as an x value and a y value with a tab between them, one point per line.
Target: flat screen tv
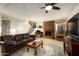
73	27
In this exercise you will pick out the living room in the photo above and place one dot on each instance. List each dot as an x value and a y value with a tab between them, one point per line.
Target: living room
23	24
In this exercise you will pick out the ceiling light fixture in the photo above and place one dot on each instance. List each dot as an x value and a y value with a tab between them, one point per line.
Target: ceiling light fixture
48	8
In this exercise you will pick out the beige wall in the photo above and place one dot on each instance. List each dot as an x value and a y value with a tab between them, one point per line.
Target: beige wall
0	25
18	26
22	26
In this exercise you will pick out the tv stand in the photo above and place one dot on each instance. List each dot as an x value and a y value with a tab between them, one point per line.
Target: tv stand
71	47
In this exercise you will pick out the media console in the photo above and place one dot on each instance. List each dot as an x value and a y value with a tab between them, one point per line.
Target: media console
71	47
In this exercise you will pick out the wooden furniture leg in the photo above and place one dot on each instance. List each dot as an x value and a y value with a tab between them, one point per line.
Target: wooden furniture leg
42	45
35	51
27	49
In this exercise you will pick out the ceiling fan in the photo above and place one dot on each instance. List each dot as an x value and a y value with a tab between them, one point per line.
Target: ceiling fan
50	6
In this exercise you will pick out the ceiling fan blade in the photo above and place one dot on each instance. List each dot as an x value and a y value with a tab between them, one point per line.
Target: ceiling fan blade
56	8
42	7
53	3
50	4
46	4
46	11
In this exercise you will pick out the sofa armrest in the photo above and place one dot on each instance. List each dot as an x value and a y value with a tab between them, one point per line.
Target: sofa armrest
32	36
1	42
5	49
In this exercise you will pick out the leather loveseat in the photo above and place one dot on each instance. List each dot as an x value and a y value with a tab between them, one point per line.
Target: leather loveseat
14	42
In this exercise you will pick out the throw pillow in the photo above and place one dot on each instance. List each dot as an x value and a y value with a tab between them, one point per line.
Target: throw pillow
11	42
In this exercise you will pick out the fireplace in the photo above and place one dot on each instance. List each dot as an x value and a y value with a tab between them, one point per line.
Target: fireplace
48	33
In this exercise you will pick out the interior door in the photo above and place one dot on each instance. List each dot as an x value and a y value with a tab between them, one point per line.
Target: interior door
5	27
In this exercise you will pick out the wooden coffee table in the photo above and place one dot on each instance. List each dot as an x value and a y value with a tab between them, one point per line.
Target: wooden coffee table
37	44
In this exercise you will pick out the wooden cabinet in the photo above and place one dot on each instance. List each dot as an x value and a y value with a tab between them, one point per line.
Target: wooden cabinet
71	47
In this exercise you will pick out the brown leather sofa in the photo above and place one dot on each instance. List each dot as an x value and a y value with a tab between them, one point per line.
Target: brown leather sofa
20	41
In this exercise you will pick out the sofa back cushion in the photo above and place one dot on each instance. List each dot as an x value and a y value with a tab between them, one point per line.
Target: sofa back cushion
26	35
7	37
18	37
1	38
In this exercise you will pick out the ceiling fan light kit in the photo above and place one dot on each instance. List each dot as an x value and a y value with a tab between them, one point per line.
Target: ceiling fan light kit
48	8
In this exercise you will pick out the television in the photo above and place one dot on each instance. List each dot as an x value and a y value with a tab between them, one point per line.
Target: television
73	27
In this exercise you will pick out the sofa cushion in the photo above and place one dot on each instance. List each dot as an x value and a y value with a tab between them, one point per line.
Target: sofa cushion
31	38
22	41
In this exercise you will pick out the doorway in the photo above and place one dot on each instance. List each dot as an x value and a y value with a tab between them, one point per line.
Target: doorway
5	27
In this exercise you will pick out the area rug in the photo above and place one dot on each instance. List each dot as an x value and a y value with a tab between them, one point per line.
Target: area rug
47	50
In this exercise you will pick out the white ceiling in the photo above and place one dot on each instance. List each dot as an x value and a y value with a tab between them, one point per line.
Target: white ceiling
25	11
